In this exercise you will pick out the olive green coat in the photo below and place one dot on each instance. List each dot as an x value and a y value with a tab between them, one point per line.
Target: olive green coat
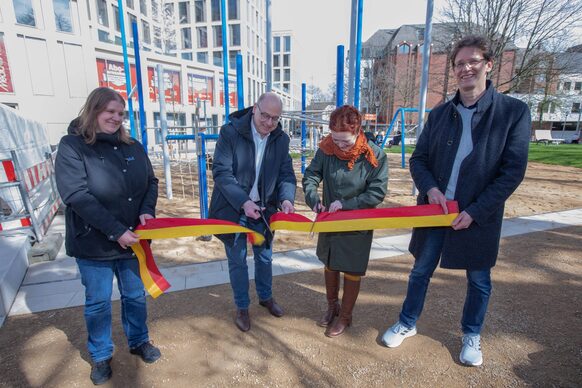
363	187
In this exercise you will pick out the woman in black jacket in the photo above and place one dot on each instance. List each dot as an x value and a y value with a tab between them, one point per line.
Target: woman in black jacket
107	182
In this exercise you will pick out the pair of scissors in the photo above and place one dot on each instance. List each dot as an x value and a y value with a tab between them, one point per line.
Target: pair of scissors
266	225
317	211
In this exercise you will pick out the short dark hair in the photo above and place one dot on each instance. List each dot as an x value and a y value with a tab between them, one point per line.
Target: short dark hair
477	41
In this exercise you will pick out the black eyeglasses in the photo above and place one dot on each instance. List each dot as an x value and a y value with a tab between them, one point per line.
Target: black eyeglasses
267	117
473	63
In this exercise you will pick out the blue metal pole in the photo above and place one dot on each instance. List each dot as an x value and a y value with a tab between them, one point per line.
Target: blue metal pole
240	82
223	17
303	126
127	69
142	115
339	78
203	189
403	138
358	55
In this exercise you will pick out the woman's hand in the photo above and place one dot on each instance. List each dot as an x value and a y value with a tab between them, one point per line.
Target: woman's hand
127	239
144	217
335	206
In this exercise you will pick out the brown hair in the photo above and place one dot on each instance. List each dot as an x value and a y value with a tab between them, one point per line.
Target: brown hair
475	41
345	119
96	103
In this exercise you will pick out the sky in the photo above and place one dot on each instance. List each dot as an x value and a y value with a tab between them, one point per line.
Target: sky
319	26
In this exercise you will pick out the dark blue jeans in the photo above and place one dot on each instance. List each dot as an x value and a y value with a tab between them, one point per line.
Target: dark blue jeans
236	252
478	287
97	277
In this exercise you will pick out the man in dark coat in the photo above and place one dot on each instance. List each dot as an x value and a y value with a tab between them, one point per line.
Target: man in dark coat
474	150
253	177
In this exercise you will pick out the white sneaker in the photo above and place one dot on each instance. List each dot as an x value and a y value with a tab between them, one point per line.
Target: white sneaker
471	352
394	336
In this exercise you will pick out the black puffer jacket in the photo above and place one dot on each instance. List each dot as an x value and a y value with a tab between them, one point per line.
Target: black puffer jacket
106	187
233	170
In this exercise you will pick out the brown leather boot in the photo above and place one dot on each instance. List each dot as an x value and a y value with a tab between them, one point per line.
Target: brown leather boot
332	279
351	291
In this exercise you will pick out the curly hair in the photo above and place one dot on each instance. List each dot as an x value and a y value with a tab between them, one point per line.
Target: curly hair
346	119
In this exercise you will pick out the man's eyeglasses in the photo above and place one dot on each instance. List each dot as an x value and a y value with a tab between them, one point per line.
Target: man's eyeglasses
473	63
267	117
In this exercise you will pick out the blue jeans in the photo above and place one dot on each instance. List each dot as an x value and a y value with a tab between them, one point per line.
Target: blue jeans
478	287
236	252
97	277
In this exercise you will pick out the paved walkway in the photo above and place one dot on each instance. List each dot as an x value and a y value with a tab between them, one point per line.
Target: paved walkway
57	284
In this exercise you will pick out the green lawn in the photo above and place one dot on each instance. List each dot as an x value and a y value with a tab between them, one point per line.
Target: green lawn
563	154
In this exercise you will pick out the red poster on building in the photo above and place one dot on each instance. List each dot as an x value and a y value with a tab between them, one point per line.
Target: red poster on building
112	75
5	78
231	93
171	83
199	88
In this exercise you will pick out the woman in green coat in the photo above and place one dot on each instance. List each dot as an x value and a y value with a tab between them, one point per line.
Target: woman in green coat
354	173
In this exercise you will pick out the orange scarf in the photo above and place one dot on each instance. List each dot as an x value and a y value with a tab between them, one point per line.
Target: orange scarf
360	147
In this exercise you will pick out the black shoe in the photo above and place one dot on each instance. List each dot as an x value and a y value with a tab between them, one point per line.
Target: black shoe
273	307
148	352
242	320
101	372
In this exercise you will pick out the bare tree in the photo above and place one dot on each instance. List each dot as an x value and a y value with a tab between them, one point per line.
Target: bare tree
531	24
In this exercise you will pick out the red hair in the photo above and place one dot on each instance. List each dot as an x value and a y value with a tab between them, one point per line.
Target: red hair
346	119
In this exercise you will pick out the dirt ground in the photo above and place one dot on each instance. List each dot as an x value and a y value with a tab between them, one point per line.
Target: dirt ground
532	335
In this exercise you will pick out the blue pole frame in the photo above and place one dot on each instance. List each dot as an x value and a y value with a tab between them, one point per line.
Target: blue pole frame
240	82
223	17
339	78
358	55
303	126
142	115
127	69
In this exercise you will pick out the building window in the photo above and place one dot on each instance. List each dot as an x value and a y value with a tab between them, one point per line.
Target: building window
404	49
217	58
187	56
232	58
234	34
217	35
158	37
103	36
24	12
129	4
567	85
62	10
143	8
132	19
184	12
276	60
202	57
277	75
286	60
287	43
102	13
286	87
215	10
233	10
287	75
116	18
578	86
145	27
277	44
202	37
186	38
576	107
200	10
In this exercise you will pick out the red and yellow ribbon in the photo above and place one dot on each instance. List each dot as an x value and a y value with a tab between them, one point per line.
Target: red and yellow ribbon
368	219
158	228
344	221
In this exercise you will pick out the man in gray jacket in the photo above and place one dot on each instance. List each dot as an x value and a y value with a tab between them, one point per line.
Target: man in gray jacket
474	150
253	177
